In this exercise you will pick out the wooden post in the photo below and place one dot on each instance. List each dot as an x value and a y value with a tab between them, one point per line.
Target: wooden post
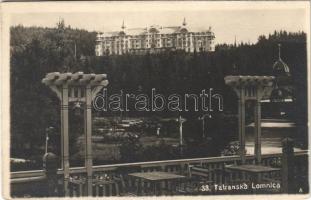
65	137
241	113
288	166
88	138
257	118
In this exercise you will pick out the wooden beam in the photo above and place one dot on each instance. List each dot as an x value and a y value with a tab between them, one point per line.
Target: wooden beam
52	76
86	79
100	77
63	78
77	76
57	91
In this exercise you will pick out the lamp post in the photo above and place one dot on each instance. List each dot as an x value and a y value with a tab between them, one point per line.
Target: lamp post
181	121
203	123
47	131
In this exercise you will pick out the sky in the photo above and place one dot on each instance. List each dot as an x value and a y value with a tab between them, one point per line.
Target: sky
245	22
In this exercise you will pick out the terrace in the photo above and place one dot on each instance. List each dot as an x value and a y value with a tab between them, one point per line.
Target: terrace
293	177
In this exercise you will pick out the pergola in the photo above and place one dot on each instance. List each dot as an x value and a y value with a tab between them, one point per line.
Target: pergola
252	88
76	87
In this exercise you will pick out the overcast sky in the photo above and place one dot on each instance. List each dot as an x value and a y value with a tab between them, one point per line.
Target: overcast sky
245	22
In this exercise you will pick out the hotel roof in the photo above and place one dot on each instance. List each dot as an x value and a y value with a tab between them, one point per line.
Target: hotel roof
153	28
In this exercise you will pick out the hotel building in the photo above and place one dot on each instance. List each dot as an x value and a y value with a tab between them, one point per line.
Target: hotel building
154	39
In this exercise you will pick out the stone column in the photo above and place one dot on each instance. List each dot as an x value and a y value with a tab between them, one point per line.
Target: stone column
65	137
88	138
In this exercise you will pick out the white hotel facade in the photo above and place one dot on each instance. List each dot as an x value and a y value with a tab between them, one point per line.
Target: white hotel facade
154	39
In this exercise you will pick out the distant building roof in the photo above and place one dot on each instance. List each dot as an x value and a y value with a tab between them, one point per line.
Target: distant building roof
154	28
280	68
283	88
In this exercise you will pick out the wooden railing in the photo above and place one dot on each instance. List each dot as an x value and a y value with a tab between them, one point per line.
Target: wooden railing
105	176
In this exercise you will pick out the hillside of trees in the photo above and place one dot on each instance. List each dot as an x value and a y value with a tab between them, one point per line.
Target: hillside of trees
36	51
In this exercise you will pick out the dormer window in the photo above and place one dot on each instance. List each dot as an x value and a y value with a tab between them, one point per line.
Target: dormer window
122	33
183	30
153	30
